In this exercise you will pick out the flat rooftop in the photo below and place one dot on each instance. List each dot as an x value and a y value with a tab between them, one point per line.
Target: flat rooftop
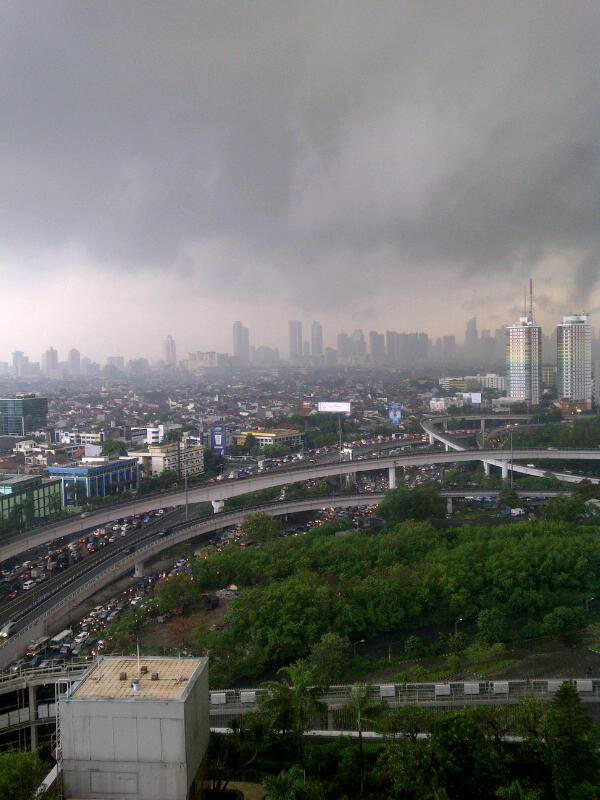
103	680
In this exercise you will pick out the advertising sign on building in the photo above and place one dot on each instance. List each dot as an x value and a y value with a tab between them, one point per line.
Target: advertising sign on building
218	439
394	413
472	397
337	407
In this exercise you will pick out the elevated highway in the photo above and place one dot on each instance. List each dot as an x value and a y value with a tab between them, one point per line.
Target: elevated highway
49	607
500	460
218	492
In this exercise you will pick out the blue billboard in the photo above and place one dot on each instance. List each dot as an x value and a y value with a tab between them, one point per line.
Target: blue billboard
394	413
218	439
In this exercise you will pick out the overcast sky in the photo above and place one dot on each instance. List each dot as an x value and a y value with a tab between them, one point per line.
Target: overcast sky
171	167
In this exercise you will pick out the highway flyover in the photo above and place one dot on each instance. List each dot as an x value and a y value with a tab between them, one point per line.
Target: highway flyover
436	435
49	606
218	492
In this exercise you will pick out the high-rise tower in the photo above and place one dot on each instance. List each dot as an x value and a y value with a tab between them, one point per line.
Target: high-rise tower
524	358
295	332
241	342
316	339
574	359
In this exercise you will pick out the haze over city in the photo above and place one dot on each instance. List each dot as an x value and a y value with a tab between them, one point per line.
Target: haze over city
172	171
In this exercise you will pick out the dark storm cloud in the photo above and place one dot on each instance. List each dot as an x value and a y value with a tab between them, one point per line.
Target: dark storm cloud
324	141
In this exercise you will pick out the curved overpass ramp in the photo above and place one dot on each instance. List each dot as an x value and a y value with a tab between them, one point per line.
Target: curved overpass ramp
450	443
233	488
50	613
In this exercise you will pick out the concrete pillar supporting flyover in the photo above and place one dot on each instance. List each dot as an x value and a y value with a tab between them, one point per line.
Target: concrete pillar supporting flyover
392	477
218	506
33	715
448	505
505	470
138	569
446	446
482	425
431	439
486	469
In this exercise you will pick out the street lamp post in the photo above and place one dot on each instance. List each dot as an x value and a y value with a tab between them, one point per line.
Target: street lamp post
587	603
460	619
360	641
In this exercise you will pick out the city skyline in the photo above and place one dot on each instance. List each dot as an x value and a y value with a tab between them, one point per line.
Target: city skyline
307	343
403	167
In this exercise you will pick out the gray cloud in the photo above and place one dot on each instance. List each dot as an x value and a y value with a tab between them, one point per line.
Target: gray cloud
304	146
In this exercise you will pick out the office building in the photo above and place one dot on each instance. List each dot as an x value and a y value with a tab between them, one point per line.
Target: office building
117	362
135	728
574	359
471	336
25	498
200	361
241	342
96	477
280	437
295	339
448	346
316	339
50	362
377	346
524	360
173	456
74	361
24	413
170	352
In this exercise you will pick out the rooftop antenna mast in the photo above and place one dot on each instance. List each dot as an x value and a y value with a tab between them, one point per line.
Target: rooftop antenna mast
531	299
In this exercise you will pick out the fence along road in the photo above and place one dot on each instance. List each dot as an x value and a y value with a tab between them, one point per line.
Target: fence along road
233	488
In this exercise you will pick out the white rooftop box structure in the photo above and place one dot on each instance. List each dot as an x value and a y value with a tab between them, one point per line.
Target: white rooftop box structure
135	732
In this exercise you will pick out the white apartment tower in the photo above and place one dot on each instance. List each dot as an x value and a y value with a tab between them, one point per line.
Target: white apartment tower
524	360
574	359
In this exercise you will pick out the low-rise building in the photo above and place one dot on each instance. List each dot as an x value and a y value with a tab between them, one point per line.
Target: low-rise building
29	497
136	728
279	437
96	478
179	457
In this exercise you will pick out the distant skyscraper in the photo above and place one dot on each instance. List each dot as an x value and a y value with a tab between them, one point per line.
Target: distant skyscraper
170	351
377	346
295	332
18	361
50	361
359	345
574	359
448	346
74	361
524	360
471	336
241	342
316	339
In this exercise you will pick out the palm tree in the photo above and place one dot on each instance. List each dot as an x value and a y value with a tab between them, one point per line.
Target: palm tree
291	702
288	785
361	704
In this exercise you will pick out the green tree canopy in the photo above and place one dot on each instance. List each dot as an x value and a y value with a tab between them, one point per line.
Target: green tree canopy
421	503
114	448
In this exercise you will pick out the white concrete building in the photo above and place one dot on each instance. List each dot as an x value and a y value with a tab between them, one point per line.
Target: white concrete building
524	361
175	456
135	732
574	359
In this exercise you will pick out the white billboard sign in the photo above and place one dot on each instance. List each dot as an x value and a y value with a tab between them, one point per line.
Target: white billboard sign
334	407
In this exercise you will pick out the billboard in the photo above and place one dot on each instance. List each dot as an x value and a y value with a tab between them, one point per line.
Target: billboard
218	439
334	407
472	397
394	413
